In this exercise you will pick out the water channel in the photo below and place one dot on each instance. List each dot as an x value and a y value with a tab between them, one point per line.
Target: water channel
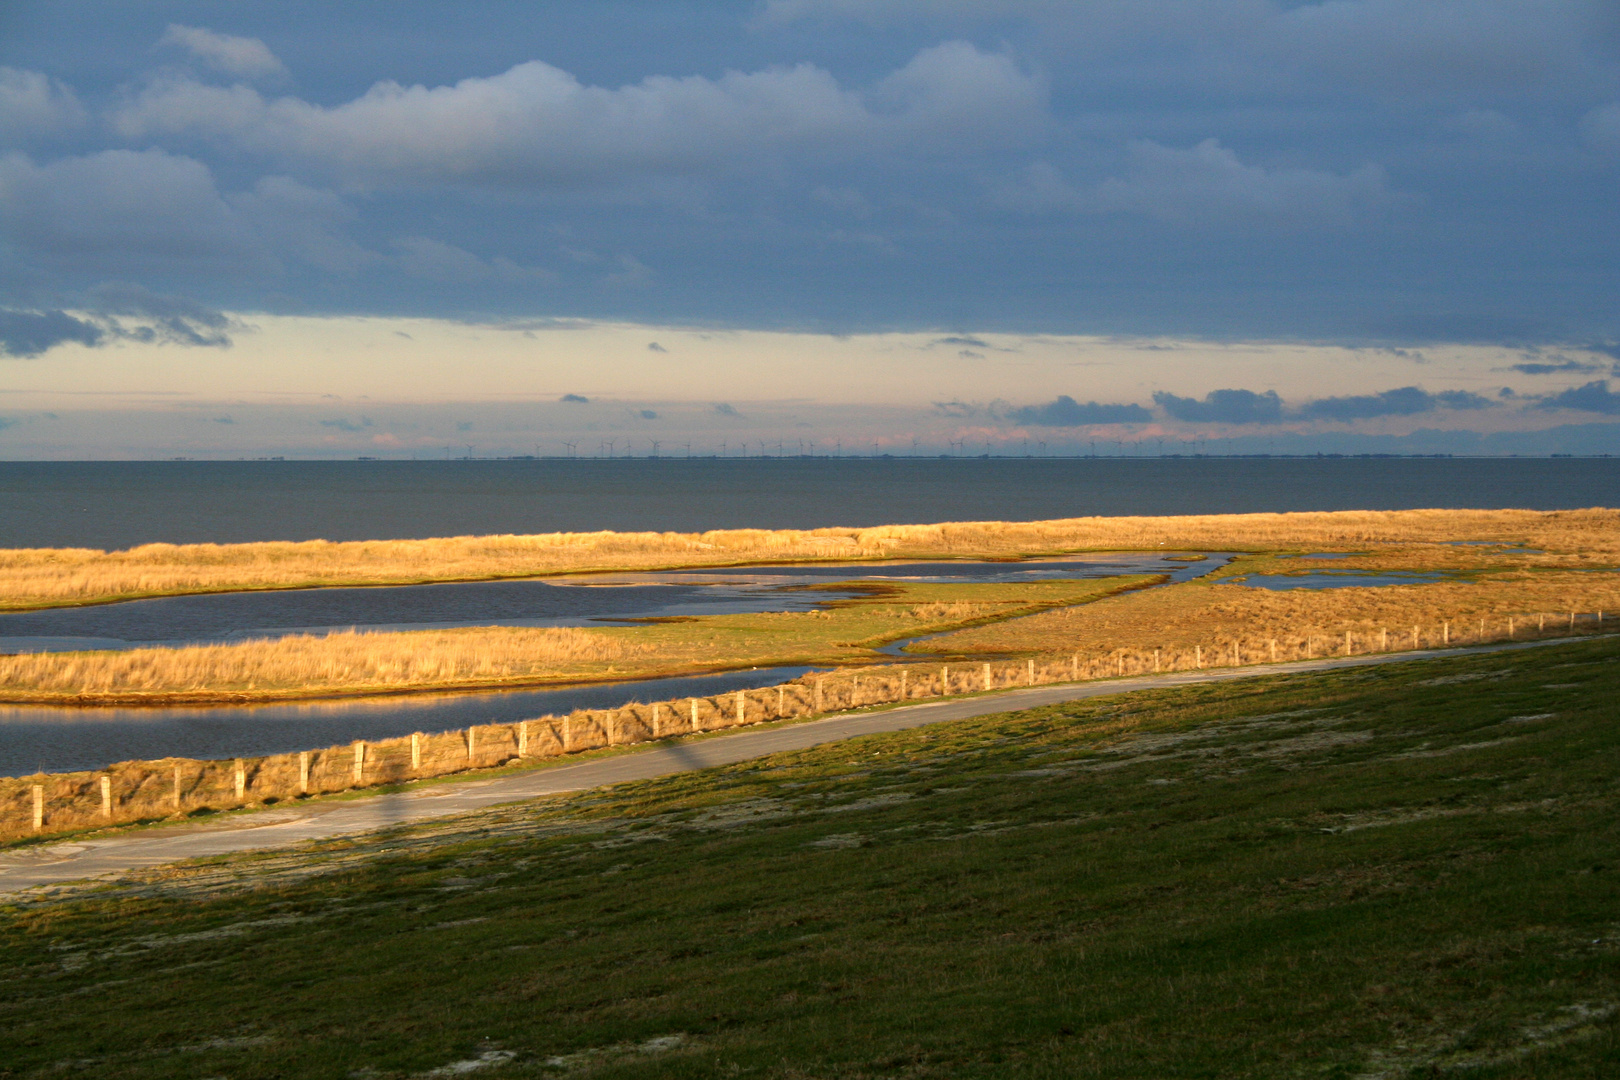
37	738
58	739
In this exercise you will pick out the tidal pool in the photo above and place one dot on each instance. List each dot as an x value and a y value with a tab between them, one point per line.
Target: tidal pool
580	600
56	739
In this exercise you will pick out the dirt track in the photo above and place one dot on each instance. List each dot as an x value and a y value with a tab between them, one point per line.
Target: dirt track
286	826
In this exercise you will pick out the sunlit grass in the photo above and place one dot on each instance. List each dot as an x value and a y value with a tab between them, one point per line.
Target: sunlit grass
1396	872
48	577
305	666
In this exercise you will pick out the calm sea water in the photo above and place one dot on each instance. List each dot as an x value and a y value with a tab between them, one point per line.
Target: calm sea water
120	504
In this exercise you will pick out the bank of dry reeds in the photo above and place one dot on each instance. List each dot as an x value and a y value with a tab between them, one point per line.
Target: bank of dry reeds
1201	612
150	790
38	577
340	663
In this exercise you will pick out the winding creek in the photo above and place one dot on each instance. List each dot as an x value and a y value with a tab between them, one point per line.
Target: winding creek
58	739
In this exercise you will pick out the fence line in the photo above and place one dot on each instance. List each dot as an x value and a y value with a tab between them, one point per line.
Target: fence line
148	790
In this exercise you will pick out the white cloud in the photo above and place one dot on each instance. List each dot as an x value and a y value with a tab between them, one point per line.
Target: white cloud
244	58
31	103
119	204
1207	184
955	92
536	124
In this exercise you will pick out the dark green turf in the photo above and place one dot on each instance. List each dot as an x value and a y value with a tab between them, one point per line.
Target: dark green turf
1373	872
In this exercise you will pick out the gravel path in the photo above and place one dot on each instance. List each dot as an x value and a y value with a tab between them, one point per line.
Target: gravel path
287	826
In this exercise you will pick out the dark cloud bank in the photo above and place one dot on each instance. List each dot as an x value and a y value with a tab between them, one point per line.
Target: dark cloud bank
1247	407
114	311
1360	170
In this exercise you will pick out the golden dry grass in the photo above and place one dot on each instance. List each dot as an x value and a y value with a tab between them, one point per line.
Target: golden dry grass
43	577
340	663
498	657
1204	614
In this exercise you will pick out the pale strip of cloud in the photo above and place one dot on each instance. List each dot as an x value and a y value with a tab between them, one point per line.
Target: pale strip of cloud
431	360
538	124
243	57
1206	184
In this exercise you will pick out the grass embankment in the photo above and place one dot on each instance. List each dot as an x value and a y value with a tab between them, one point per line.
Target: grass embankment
1204	612
847	632
45	577
1398	871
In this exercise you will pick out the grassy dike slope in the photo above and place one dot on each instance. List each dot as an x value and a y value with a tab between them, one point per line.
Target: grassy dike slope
1379	872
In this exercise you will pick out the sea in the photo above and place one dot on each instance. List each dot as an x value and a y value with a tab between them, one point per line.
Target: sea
112	505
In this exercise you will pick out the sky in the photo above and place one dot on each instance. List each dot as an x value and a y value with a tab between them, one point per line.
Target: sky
825	226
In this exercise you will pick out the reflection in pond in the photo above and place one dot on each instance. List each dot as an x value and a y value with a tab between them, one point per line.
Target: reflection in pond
61	738
56	739
579	600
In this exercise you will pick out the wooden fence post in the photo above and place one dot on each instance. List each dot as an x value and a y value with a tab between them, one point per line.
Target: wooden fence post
39	807
903	674
472	745
1572	620
1237	660
241	781
695	708
741	701
1273	650
523	733
655	724
987	676
1347	643
1414	637
1510	628
360	762
1445	633
106	797
303	773
1482	630
1032	673
177	806
781	698
944	680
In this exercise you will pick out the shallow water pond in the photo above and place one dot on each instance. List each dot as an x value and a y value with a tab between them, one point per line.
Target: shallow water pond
578	600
